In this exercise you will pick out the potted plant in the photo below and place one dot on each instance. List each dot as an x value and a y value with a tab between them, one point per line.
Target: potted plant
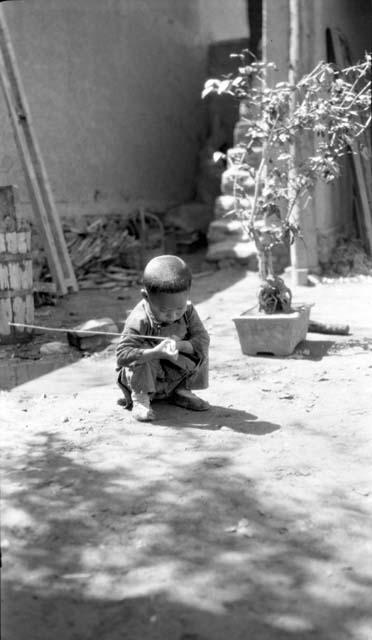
272	176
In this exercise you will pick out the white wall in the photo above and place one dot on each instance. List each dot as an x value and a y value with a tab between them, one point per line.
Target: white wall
223	19
114	91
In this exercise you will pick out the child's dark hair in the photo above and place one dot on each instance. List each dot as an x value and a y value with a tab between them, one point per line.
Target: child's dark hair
166	274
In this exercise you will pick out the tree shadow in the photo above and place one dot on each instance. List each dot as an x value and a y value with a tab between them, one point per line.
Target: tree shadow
216	418
147	548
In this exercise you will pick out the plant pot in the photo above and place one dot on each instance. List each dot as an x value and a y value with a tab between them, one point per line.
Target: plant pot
277	334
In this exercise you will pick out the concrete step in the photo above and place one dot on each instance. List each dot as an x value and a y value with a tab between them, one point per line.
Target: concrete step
243	251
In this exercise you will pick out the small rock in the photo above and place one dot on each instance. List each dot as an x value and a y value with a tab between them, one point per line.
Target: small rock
91	341
52	348
241	529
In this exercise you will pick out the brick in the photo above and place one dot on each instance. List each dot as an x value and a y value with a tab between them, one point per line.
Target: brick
243	252
238	155
241	135
234	176
225	205
220	230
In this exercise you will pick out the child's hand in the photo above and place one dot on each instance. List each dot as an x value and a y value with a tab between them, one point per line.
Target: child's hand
183	346
167	349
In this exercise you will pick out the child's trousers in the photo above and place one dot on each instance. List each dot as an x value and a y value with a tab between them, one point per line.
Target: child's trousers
160	378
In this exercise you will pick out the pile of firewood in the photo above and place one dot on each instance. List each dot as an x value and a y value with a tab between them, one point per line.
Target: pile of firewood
107	251
104	252
348	258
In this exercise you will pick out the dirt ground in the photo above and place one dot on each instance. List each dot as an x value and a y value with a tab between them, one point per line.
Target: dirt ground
251	521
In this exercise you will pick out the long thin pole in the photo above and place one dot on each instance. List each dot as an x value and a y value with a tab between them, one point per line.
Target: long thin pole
299	261
92	333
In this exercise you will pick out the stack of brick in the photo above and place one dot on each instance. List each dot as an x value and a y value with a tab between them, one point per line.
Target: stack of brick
227	240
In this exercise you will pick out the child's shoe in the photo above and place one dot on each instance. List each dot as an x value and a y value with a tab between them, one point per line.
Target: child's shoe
188	400
141	410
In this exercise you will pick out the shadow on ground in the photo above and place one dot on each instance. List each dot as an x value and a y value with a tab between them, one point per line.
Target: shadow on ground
192	554
216	418
316	349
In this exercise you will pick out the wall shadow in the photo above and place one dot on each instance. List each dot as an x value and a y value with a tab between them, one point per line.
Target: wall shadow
22	362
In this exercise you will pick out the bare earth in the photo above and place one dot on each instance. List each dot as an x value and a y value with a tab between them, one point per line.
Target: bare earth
248	522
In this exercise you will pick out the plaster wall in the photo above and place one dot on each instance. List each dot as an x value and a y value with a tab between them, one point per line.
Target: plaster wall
275	39
114	93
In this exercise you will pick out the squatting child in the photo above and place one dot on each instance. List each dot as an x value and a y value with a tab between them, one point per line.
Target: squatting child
151	369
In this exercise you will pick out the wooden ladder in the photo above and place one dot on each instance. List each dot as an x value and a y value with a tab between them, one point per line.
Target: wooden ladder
43	205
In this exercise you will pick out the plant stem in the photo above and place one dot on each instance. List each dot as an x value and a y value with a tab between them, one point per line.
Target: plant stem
256	188
265	262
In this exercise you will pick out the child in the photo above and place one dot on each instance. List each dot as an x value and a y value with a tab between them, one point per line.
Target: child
153	369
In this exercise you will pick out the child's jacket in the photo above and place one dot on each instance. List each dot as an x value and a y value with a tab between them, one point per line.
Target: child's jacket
142	322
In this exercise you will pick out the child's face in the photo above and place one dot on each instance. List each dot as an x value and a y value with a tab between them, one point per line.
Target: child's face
168	307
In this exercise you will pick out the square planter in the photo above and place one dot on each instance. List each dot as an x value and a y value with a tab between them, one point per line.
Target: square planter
277	334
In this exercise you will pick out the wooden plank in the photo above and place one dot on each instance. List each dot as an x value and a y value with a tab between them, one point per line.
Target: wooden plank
7	203
40	191
44	287
360	159
363	195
